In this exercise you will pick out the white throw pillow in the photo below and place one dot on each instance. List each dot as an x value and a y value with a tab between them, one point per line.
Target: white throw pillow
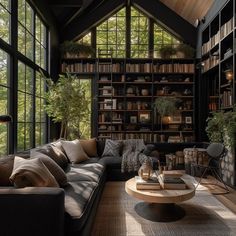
74	151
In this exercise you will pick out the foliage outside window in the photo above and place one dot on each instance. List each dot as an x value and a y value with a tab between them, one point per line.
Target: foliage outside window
4	91
139	34
5	15
86	40
111	35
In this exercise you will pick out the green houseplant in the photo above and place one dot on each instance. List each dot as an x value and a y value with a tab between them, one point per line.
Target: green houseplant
166	51
221	127
70	49
67	103
165	106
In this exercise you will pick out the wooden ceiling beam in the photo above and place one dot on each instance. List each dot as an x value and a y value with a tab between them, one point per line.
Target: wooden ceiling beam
66	3
161	13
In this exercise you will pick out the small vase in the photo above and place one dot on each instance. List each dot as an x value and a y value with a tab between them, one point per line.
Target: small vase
145	171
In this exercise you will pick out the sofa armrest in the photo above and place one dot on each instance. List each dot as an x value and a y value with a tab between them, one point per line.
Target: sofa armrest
32	211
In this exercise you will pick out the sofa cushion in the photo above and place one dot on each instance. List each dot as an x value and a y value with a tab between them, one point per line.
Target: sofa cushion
6	167
89	146
85	172
100	147
112	148
111	162
74	151
79	198
31	172
53	167
53	152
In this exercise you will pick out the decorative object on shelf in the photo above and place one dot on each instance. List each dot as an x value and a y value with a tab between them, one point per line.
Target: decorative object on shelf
70	49
130	91
187	92
184	50
144	92
164	79
221	127
166	51
109	104
188	120
144	117
133	119
229	75
175	119
146	170
165	106
68	103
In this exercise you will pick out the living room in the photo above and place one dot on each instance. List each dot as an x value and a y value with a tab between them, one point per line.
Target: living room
117	117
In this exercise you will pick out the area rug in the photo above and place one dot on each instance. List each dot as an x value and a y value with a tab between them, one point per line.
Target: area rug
205	216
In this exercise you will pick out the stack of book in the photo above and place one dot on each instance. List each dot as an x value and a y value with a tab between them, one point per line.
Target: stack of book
172	180
151	184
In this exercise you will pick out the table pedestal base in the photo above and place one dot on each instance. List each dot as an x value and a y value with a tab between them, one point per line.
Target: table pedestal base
159	212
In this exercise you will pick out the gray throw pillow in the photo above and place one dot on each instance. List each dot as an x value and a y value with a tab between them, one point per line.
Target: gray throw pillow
112	148
53	167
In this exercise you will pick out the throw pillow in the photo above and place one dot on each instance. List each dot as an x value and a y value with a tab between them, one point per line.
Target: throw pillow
112	148
89	146
31	172
74	151
53	167
53	152
6	167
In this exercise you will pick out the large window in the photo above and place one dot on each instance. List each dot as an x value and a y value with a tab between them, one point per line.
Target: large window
139	34
5	15
4	95
111	35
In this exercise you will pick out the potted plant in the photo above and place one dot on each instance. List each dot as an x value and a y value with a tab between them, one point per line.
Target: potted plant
70	49
221	127
185	51
166	51
67	103
165	106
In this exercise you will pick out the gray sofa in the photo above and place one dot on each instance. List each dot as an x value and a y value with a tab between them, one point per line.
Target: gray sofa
61	211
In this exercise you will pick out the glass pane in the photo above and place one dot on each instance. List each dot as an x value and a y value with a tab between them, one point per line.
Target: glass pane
112	37
43	58
38	85
6	4
43	113
4	25
37	52
43	86
43	35
29	18
29	108
158	37
103	26
37	28
21	76
28	135
112	23
37	109
29	45
3	68
43	132
21	39
21	11
20	136
167	38
3	139
29	80
3	100
37	134
20	107
121	12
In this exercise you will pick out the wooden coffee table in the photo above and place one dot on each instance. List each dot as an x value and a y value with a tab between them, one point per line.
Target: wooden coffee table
160	205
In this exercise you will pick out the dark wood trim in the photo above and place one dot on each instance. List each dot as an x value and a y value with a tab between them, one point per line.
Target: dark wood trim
67	3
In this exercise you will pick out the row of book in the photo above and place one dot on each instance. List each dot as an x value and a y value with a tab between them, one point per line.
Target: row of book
215	39
210	62
174	68
167	180
226	99
78	67
227	28
108	68
143	68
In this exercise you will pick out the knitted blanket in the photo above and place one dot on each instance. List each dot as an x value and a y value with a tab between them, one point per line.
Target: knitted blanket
132	157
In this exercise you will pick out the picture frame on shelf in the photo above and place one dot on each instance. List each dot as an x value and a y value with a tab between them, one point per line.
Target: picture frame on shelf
144	117
176	119
133	119
188	120
109	104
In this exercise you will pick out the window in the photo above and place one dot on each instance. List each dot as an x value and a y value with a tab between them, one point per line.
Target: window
86	40
163	38
111	35
5	15
139	34
4	95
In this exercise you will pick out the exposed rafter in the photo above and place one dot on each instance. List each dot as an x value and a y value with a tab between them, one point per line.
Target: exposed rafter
92	16
169	18
67	3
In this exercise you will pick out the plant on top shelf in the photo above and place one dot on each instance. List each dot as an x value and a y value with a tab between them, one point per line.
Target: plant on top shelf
70	49
67	103
165	106
185	51
166	51
221	127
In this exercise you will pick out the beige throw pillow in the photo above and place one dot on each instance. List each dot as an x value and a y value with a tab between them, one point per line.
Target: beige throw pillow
74	151
89	146
31	172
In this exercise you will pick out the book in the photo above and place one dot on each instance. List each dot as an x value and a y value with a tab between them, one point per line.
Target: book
175	183
172	173
151	184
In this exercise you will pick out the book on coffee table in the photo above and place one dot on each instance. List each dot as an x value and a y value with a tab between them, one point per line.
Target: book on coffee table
172	173
151	184
175	183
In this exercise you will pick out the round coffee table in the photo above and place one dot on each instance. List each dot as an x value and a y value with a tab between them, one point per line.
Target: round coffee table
160	205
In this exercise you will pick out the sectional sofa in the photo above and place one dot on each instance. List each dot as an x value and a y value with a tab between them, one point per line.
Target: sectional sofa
54	211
